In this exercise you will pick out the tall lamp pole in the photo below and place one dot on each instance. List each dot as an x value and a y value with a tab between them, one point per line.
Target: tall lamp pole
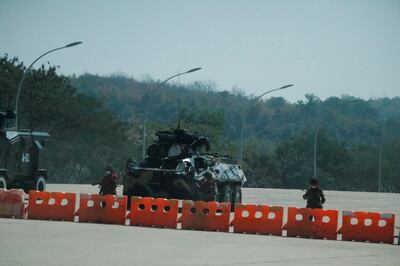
243	119
316	133
151	99
379	181
26	72
315	148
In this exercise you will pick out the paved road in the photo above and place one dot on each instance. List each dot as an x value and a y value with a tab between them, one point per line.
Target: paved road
25	242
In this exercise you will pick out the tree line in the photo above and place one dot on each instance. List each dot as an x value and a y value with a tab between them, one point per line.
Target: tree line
96	121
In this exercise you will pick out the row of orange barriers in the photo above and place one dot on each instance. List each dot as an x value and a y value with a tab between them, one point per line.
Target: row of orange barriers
199	215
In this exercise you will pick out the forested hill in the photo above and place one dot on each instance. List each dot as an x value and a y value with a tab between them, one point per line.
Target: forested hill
278	135
95	121
349	119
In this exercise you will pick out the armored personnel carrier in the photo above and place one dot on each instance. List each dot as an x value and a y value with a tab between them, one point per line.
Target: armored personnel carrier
19	156
175	166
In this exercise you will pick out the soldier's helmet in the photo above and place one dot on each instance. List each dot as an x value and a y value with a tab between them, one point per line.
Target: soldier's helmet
109	168
314	182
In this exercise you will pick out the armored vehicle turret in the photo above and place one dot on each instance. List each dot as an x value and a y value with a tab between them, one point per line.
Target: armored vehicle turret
175	166
19	156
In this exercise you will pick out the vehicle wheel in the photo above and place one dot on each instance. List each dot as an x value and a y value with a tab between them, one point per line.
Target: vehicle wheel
3	182
40	183
236	196
226	194
137	191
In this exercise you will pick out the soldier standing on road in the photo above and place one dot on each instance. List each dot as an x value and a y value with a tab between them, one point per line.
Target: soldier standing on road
314	195
208	188
108	185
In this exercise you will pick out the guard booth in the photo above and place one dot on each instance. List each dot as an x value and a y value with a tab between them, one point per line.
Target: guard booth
19	156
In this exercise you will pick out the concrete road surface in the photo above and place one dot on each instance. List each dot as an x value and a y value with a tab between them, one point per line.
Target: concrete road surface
29	242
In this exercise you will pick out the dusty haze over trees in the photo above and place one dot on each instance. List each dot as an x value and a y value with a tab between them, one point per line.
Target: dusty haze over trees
95	121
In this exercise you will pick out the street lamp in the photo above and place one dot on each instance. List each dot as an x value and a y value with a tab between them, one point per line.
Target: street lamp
243	117
379	181
151	98
315	148
26	72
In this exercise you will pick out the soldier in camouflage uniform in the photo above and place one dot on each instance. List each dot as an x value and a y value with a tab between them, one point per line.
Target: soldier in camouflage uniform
314	195
108	185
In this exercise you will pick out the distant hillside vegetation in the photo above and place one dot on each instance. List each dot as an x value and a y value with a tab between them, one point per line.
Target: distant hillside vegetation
95	121
278	135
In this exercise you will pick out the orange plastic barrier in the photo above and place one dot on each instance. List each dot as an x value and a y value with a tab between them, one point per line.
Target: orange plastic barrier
154	212
12	203
45	205
368	226
210	216
258	219
102	209
313	223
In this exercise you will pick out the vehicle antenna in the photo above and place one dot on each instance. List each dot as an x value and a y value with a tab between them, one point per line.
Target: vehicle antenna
8	107
179	104
8	101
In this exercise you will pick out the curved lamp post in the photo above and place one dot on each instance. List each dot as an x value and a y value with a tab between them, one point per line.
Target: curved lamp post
26	72
315	148
243	118
379	181
151	99
316	132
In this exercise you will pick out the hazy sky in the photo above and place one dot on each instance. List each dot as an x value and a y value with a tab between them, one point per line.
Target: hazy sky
328	48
